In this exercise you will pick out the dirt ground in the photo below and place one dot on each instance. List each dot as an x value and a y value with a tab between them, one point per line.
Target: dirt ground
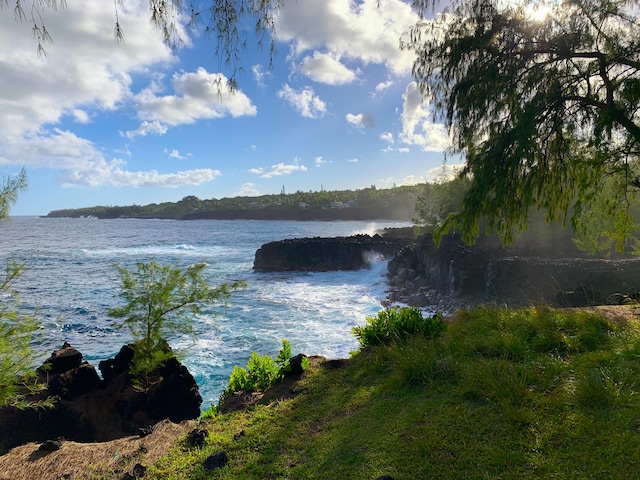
106	460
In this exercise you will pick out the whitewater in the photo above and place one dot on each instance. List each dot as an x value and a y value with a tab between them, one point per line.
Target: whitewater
70	282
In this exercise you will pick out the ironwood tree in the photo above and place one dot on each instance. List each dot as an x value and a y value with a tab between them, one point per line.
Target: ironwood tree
542	105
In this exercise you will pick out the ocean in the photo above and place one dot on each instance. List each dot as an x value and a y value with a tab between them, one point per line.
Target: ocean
70	282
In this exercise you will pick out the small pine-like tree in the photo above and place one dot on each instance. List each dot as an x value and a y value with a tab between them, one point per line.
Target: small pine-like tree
161	302
17	378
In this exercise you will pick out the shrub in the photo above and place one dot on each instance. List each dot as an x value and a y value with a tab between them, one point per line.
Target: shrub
395	323
261	372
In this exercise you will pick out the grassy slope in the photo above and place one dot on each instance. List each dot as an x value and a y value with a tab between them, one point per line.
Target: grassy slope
504	394
524	394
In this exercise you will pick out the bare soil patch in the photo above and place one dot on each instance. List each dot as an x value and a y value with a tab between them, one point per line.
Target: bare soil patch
82	461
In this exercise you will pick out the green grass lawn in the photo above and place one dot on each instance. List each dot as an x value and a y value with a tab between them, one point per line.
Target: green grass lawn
501	394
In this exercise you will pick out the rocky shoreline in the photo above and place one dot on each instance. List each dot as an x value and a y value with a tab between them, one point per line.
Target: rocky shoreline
455	275
87	408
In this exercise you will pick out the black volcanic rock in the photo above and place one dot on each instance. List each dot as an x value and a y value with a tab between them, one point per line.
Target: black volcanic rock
455	274
88	409
324	254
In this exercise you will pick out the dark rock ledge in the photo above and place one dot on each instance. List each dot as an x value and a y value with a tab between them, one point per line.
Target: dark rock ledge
325	254
90	409
454	274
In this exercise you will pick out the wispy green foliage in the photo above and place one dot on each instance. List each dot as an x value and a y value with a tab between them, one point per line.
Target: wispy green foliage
17	378
161	302
542	108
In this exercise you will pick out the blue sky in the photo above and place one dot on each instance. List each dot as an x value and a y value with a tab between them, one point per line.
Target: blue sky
95	123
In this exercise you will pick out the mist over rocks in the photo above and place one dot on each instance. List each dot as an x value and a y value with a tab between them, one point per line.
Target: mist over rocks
454	274
540	267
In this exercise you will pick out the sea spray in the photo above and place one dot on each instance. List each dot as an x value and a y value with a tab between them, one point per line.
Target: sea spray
71	283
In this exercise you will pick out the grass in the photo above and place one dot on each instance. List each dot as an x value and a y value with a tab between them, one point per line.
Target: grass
509	394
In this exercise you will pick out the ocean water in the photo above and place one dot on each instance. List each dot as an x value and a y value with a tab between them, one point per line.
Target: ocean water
70	282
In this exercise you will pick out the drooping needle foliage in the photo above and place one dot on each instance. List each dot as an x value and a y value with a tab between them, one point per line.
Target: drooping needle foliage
542	104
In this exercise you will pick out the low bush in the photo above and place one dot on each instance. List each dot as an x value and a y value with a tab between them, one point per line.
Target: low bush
395	323
261	372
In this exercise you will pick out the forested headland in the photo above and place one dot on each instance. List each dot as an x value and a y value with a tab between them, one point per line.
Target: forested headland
397	203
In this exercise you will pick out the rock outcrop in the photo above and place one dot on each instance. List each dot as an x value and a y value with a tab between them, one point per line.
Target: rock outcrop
325	254
455	274
90	409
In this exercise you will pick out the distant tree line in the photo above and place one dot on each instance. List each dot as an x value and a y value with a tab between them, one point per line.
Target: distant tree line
401	199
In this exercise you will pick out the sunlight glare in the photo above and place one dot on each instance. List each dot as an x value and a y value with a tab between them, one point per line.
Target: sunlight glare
537	12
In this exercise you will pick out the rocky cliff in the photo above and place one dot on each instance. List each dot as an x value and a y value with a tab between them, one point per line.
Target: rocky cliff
325	254
454	273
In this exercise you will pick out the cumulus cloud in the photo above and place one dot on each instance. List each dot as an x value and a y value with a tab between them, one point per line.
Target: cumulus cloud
81	116
353	160
319	161
417	128
197	95
446	171
303	101
358	31
248	190
387	137
84	75
84	70
279	169
382	86
146	128
360	120
326	68
173	153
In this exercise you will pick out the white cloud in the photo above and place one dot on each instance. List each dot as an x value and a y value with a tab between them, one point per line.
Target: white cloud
80	164
84	71
198	95
280	169
173	153
258	75
111	174
360	120
360	31
81	116
445	171
387	137
417	128
326	68
146	128
303	101
353	160
85	74
382	86
248	190
319	161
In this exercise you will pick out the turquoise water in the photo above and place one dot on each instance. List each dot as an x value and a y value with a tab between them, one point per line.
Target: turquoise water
70	282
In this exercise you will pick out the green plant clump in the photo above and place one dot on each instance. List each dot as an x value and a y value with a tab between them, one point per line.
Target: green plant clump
395	323
261	373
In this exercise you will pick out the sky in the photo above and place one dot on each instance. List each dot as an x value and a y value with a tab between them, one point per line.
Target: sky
94	122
